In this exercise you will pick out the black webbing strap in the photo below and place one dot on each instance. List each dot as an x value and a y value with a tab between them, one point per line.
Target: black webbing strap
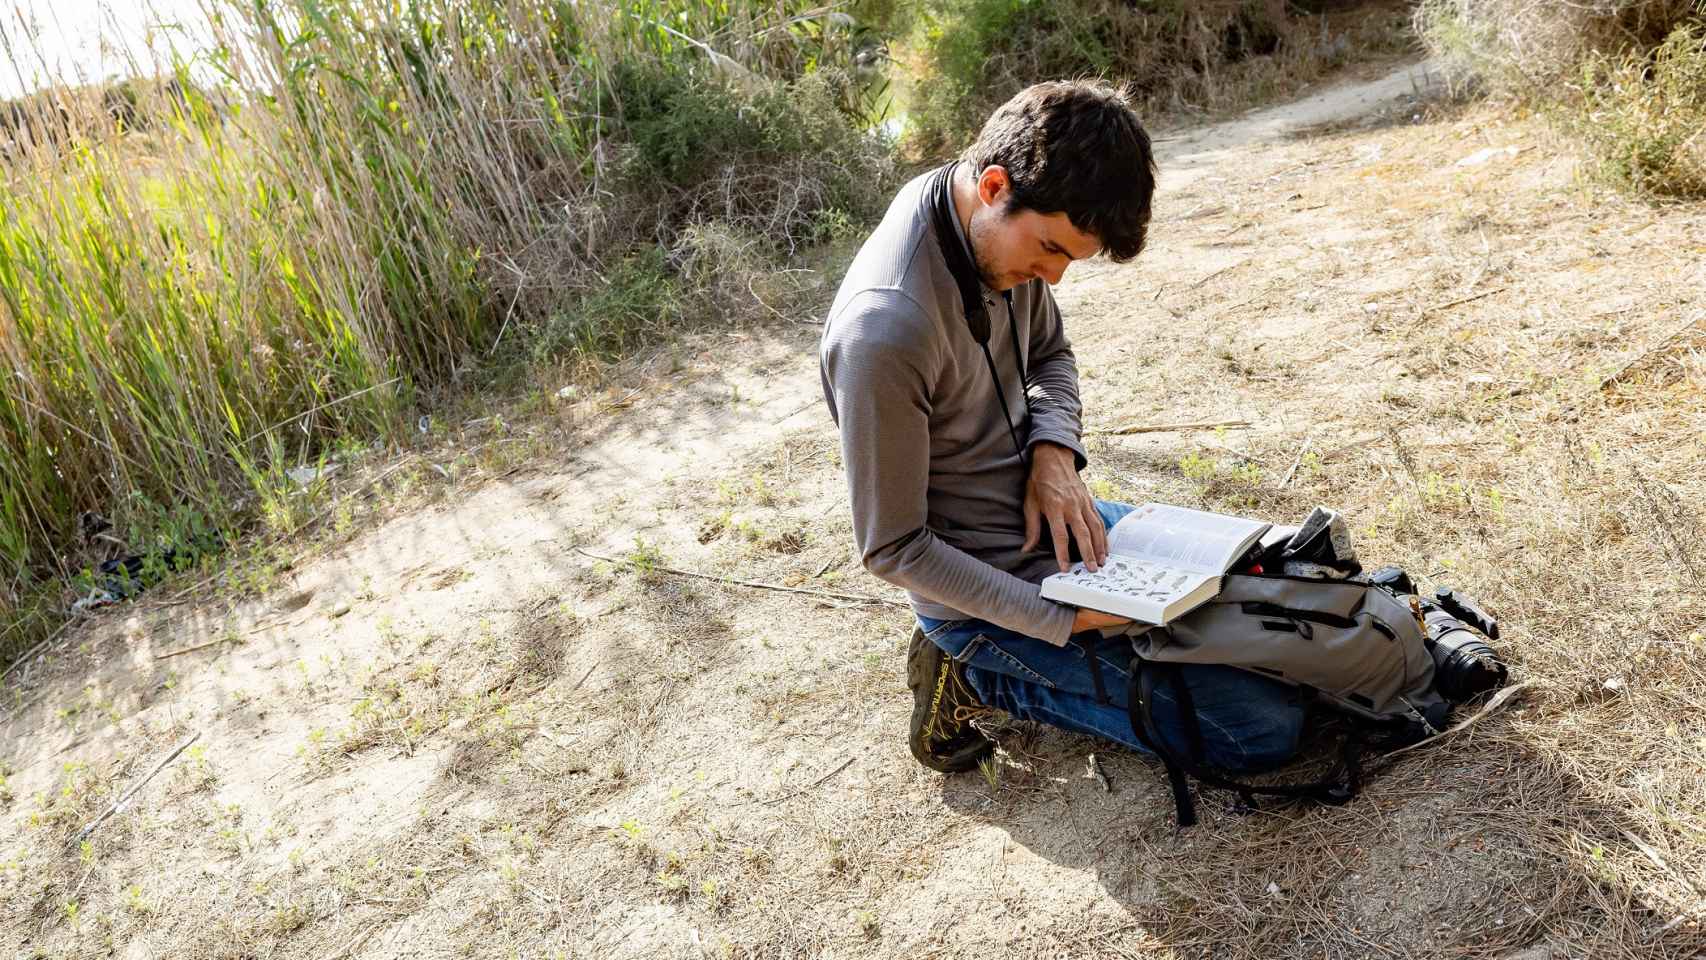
1337	789
963	268
1095	673
1140	692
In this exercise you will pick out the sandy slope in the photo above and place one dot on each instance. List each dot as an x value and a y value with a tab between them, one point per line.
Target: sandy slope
459	736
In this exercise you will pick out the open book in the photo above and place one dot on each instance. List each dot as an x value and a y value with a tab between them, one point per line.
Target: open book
1163	561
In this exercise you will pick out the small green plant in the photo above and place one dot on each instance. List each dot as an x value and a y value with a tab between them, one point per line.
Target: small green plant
869	923
1197	467
990	768
644	558
672	882
288	918
1248	473
761	492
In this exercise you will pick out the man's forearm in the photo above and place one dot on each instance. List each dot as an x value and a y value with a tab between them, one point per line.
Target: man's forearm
922	563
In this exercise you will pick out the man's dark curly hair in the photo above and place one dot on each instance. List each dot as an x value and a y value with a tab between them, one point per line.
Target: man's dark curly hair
1075	147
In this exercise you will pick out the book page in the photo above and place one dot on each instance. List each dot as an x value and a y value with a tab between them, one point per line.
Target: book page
1130	579
1203	542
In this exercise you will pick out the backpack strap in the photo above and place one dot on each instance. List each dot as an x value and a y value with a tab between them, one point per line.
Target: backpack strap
1095	672
1337	789
1140	690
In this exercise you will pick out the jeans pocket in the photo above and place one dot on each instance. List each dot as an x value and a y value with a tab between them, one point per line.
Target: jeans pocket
942	629
985	653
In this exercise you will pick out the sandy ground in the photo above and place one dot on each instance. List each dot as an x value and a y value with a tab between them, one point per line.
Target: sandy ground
459	735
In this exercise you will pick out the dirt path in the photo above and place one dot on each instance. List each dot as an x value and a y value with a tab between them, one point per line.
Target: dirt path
459	736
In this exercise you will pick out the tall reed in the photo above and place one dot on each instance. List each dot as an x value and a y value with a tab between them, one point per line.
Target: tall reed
207	287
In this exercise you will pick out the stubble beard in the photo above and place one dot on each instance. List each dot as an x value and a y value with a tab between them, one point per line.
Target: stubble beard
977	232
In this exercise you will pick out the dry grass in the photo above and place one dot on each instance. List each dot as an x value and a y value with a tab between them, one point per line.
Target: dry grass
1535	447
669	767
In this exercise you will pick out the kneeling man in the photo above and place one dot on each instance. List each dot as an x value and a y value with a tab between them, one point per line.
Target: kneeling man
947	369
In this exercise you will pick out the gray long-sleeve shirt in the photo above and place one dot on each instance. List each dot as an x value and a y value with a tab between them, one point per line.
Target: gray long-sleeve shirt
937	487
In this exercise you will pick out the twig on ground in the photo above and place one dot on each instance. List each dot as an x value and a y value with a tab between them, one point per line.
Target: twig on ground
799	410
582	680
1344	447
625	402
663	691
1227	448
355	944
810	786
1463	300
1230	266
855	597
1237	306
1297	461
1173	427
199	646
118	805
1655	348
1498	701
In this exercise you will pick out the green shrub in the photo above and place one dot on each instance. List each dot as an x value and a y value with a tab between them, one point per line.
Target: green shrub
1644	117
1524	47
634	302
1172	55
768	157
1625	77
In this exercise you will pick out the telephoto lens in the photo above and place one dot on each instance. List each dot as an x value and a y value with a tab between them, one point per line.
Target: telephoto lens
1464	666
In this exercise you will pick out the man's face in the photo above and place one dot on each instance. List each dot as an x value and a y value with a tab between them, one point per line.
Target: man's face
1014	248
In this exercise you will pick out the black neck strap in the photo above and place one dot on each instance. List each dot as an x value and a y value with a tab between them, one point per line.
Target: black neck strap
966	278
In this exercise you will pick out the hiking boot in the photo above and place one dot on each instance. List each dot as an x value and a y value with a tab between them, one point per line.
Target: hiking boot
943	705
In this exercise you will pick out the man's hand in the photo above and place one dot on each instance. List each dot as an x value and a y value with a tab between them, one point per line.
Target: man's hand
1055	493
1095	620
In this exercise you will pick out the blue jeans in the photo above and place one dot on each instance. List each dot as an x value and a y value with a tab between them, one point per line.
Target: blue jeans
1248	722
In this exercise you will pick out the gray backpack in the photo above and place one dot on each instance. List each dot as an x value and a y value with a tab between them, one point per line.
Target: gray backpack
1366	647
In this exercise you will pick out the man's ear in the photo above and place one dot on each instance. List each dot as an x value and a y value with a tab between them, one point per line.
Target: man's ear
993	186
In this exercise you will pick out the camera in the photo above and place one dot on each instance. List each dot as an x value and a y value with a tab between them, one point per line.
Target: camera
1464	665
